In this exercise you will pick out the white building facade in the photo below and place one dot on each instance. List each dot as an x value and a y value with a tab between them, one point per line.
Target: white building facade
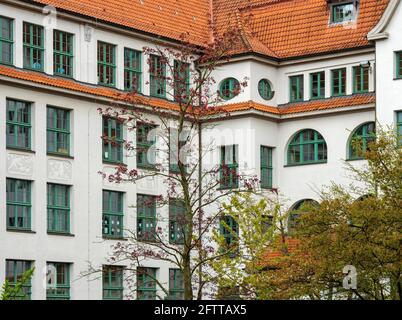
301	111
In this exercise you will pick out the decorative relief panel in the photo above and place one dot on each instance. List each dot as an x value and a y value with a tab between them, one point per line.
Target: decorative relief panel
147	184
59	169
20	164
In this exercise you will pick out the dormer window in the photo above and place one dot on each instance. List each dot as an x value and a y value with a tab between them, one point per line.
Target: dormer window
343	11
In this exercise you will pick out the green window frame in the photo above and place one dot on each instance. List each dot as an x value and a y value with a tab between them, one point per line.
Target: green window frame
146	217
181	81
106	64
398	71
58	131
343	12
145	140
34	51
399	126
360	140
18	124
265	89
112	214
157	76
6	40
112	282
177	222
296	88
360	79
60	288
317	85
58	208
132	70
229	88
14	272
112	140
229	229
229	167
18	194
63	54
266	167
338	82
146	283
176	284
306	147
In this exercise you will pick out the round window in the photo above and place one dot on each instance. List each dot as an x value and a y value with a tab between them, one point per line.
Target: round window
265	90
229	88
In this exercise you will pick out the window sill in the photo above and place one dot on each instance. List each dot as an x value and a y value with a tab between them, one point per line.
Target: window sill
267	188
398	78
355	159
227	188
304	164
60	155
20	230
54	233
149	168
114	238
114	163
20	149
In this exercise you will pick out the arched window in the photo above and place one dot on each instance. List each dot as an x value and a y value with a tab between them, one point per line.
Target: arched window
360	140
297	209
229	88
265	90
307	146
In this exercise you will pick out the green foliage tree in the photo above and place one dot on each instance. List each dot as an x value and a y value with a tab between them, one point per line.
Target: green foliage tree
15	291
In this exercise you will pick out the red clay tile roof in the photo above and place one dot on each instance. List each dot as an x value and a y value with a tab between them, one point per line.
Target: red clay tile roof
276	251
290	108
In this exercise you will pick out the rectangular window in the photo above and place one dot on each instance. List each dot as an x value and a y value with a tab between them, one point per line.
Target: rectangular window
229	167
360	79
181	81
18	204
14	271
145	146
58	281
18	124
112	140
112	225
296	88
62	53
34	51
176	284
398	73
317	81
106	64
157	78
58	131
177	221
6	40
132	70
229	229
112	280
399	126
58	208
146	284
266	167
146	217
343	12
339	82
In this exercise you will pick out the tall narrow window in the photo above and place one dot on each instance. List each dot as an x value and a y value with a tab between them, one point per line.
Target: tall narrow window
398	57
33	46
6	40
18	204
229	229
317	81
58	208
360	140
229	167
177	222
112	140
399	126
62	53
176	284
18	130
146	284
58	277
296	88
106	64
157	78
181	81
177	153
58	131
307	146
112	214
146	217
132	70
229	88
14	271
112	280
343	12
145	145
360	79
339	82
266	167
